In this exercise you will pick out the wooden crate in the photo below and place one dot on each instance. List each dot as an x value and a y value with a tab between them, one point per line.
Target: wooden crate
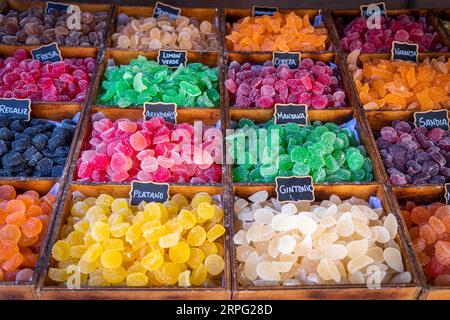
121	57
436	16
208	14
422	195
26	290
22	5
348	292
49	290
233	15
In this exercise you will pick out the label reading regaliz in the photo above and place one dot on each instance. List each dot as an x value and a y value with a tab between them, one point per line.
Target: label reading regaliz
47	53
168	111
15	108
162	8
447	193
291	59
404	51
61	7
148	192
261	11
172	58
432	119
291	112
294	189
367	10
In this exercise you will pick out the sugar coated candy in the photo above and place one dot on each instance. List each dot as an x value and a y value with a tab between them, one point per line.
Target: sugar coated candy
332	242
280	32
176	243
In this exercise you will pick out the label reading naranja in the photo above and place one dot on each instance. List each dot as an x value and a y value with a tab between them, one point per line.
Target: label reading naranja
294	189
368	10
148	192
432	119
168	10
296	113
291	59
404	51
15	108
172	58
47	53
261	11
62	7
168	111
447	193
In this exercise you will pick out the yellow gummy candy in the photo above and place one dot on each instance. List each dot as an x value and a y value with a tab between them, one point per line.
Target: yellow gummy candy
180	252
196	236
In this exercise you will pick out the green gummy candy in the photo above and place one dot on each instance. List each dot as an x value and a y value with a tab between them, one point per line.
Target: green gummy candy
355	161
190	89
301	169
240	174
299	154
315	161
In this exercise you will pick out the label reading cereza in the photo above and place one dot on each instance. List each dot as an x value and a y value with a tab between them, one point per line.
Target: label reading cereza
261	11
168	111
404	51
432	119
294	189
148	192
172	58
46	53
15	108
291	59
291	112
168	10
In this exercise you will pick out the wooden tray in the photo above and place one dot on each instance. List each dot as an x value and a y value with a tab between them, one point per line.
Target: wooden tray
26	290
422	195
48	289
436	16
348	292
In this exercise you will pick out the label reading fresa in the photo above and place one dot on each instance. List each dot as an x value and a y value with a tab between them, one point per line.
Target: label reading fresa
47	53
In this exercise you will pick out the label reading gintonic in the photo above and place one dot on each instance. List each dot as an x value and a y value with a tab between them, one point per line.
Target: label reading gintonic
15	108
47	53
296	113
294	189
291	59
162	8
172	58
404	51
432	119
148	192
168	111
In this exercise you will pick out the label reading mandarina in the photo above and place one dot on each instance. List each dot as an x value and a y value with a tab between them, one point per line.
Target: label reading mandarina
49	6
405	51
380	9
172	58
261	11
168	10
432	119
15	108
148	192
294	189
291	112
168	111
47	53
291	59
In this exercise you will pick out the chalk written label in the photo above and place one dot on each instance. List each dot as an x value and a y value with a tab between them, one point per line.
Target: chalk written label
50	53
432	119
367	9
168	111
447	193
61	7
291	59
162	8
172	58
296	113
294	189
15	108
261	11
404	51
148	192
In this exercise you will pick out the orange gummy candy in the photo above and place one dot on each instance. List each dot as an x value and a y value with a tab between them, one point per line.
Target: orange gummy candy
7	192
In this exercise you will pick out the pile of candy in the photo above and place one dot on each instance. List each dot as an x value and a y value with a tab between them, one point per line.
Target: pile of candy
280	32
36	148
315	84
415	155
400	85
326	152
34	27
64	81
175	243
152	150
195	85
334	242
403	28
24	219
164	33
429	229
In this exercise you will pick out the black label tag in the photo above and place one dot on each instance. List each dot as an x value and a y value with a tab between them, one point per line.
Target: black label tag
294	189
291	59
296	113
447	193
48	53
432	119
15	108
261	11
148	192
172	58
168	111
373	8
61	7
162	8
404	51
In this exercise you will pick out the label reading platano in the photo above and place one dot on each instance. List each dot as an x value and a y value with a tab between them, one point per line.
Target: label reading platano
148	192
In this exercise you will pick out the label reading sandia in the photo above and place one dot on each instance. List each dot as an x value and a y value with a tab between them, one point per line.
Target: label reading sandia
148	192
294	189
432	119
